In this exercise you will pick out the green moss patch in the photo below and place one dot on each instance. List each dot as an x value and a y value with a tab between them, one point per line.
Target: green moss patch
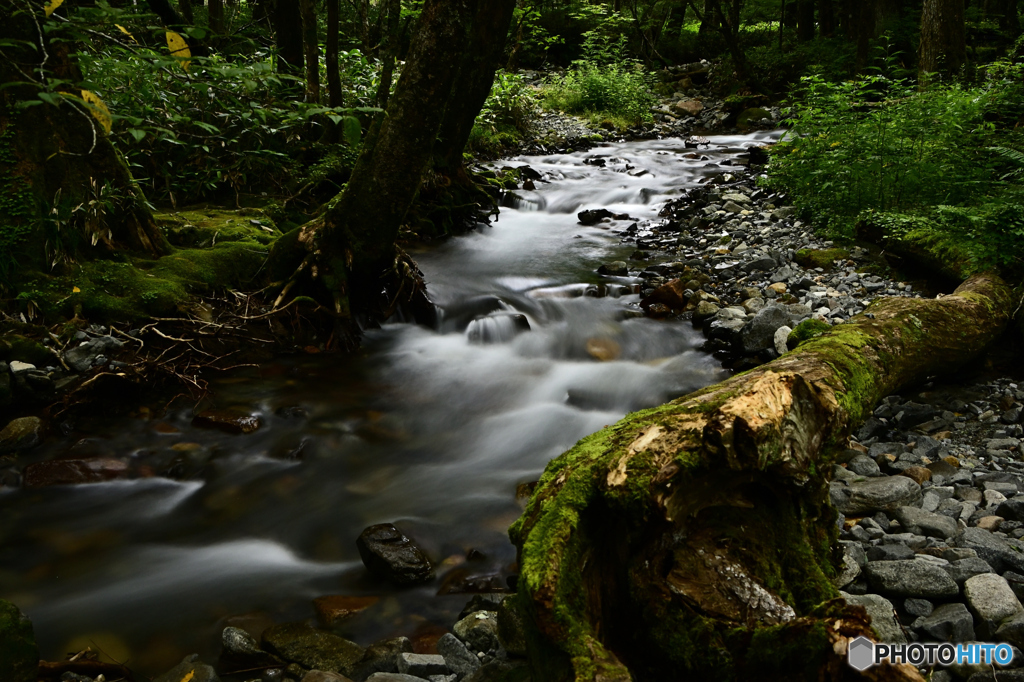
204	227
806	330
820	258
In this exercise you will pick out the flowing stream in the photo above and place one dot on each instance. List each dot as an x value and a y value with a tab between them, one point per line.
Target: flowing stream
430	429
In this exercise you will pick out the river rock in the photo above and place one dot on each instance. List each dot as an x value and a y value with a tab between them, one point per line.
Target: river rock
1012	630
614	269
705	310
1012	509
781	335
394	677
334	609
388	553
313	649
512	627
422	665
669	294
382	657
962	570
226	421
73	471
459	659
881	612
190	668
479	630
996	551
240	645
759	333
21	434
911	578
884	493
83	357
501	670
690	106
323	676
594	216
947	623
19	655
920	522
991	601
862	465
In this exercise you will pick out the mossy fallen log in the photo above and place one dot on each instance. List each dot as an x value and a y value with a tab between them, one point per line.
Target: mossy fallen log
696	540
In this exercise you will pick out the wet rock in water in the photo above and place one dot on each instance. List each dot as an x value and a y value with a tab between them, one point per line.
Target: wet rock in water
497	328
704	311
73	471
459	659
885	493
594	216
388	553
501	670
85	356
324	676
239	645
21	434
881	612
670	294
334	609
658	310
19	655
190	668
422	665
759	333
226	421
603	349
479	630
382	657
911	578
991	601
947	623
614	269
313	649
394	677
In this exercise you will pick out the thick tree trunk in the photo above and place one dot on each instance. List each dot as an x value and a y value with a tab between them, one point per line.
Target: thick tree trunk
288	33
826	18
696	540
1009	21
480	60
215	14
943	37
186	11
310	50
58	157
805	20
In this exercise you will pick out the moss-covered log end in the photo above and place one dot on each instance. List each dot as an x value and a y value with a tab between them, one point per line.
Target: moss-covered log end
696	539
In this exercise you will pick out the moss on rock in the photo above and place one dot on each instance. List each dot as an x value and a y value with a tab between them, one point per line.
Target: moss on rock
820	258
19	655
806	330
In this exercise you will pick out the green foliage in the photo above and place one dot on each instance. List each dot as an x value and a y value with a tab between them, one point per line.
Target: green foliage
16	207
506	115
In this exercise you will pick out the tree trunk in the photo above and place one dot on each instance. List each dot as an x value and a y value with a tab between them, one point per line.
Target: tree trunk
310	50
58	157
943	37
805	28
482	57
1009	21
215	13
186	11
697	540
826	19
335	96
288	33
864	18
389	50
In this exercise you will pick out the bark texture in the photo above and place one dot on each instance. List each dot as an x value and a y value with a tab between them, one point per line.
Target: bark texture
310	50
696	540
943	37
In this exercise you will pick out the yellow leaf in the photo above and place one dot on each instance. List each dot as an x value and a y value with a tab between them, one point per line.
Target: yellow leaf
76	290
125	31
179	48
188	676
52	5
98	110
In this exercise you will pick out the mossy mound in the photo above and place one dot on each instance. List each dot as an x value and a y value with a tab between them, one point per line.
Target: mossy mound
216	250
820	258
19	655
806	330
23	349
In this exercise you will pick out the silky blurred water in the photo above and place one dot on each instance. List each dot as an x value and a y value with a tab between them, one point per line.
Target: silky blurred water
429	429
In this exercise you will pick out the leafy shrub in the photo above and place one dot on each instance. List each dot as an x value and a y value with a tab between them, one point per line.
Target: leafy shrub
612	89
506	115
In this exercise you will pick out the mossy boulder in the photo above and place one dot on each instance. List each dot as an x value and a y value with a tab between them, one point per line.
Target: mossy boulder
23	349
205	227
19	655
820	258
806	330
751	116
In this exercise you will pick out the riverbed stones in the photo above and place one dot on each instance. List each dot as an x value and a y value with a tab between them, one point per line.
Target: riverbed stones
324	676
313	649
479	630
73	471
511	627
382	657
671	294
334	609
991	601
947	623
191	669
388	553
86	355
920	522
228	421
759	333
614	269
882	619
458	658
19	655
911	578
422	665
884	493
21	434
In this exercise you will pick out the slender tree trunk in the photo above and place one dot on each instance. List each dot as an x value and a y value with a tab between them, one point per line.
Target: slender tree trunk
697	540
215	10
482	57
335	97
826	18
864	19
186	11
261	11
288	30
389	50
310	50
943	37
1010	19
805	20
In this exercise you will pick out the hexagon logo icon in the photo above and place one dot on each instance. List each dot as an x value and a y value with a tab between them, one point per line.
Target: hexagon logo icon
861	653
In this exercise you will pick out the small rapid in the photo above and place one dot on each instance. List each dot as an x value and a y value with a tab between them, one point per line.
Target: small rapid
432	429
